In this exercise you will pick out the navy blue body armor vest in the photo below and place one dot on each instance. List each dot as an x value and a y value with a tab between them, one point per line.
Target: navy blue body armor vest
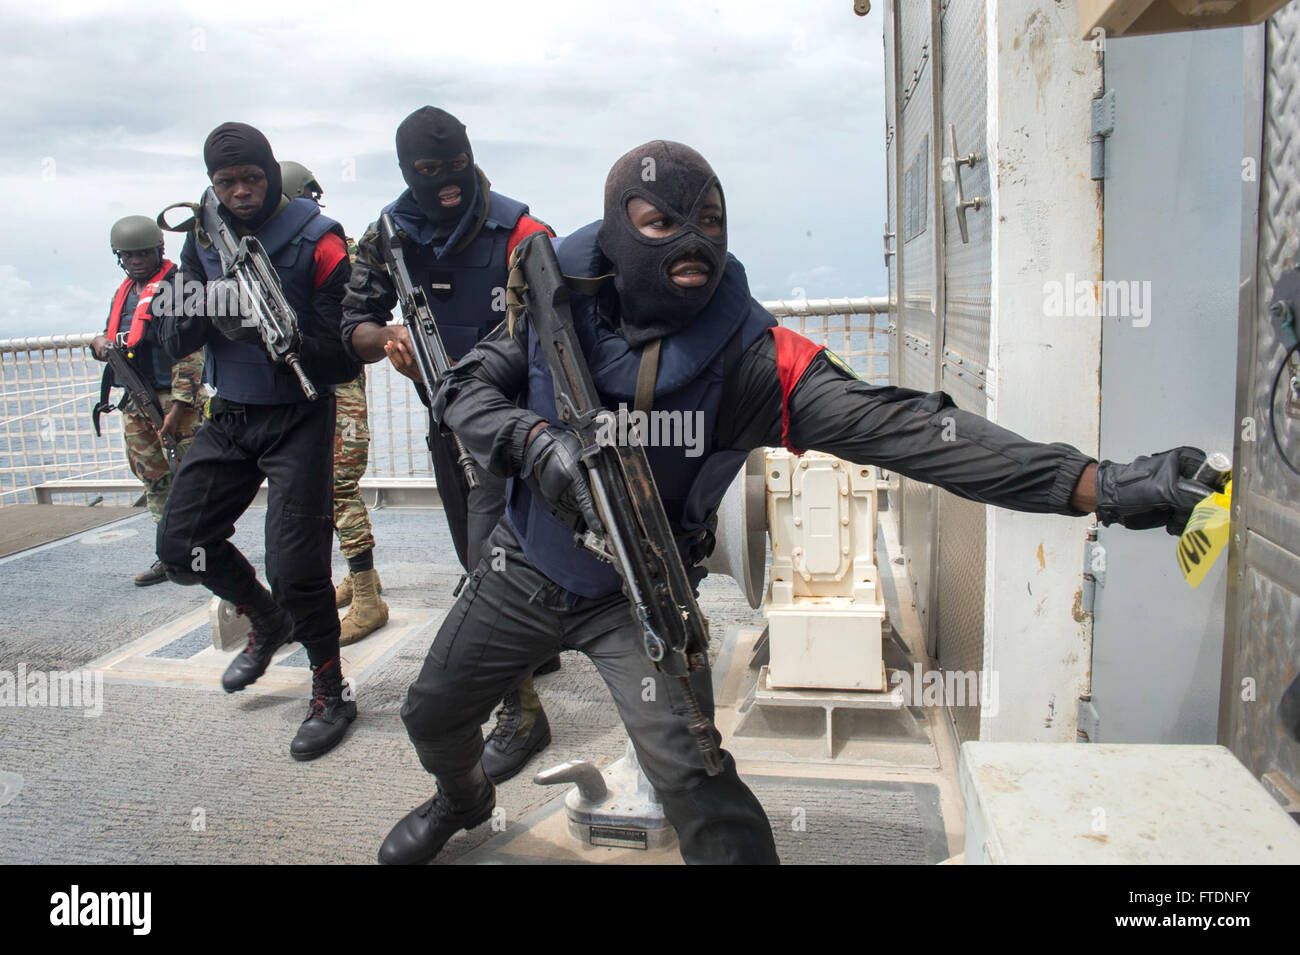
689	382
466	289
242	371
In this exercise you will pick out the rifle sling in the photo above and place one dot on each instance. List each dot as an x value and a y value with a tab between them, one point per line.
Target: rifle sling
105	387
188	225
646	375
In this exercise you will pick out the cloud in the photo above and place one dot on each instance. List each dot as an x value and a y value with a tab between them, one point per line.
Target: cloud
107	116
30	311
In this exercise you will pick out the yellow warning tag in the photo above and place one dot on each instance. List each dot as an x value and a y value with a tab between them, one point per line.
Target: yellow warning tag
1205	536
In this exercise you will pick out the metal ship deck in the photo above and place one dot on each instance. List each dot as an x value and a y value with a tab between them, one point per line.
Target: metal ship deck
175	770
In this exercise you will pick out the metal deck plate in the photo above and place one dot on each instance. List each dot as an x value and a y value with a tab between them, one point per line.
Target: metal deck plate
181	654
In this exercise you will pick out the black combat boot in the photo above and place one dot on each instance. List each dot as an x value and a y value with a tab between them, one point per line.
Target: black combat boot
329	716
425	830
154	575
522	730
272	629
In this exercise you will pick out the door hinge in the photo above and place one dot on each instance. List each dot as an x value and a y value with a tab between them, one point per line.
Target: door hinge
1103	124
1089	723
1094	571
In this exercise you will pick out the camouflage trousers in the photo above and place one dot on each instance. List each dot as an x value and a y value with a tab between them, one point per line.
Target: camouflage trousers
351	450
145	453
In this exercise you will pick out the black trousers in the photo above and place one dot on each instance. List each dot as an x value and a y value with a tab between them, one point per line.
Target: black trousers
510	618
471	515
292	446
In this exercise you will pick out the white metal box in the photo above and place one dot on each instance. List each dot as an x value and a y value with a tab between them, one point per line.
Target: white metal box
824	608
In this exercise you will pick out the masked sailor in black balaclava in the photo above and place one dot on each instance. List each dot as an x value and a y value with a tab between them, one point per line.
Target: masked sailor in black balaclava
261	425
437	163
665	276
716	353
458	237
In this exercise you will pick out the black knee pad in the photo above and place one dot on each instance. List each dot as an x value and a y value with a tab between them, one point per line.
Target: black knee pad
426	717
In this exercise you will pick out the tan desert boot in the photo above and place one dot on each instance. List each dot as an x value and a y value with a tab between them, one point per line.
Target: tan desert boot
343	592
368	613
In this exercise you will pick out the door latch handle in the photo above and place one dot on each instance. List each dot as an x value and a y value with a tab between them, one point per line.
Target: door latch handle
962	202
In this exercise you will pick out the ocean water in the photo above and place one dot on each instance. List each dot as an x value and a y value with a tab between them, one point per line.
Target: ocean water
46	433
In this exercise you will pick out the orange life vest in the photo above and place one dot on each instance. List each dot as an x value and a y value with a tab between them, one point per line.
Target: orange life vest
142	314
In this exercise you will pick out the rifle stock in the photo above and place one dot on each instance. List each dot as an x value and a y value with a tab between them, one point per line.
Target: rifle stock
637	535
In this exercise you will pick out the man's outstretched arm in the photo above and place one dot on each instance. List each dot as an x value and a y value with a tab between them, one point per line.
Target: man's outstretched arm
795	394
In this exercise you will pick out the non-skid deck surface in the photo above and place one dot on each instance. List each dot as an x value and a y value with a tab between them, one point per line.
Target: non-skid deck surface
814	821
174	770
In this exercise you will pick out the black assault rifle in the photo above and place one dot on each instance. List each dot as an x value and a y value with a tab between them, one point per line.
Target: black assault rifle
430	353
246	262
136	392
637	538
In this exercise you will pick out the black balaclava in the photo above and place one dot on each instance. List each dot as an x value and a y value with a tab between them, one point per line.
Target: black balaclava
238	144
675	179
432	133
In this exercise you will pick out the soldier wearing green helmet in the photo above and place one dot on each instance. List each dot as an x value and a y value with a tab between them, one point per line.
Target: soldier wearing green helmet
361	587
298	182
137	241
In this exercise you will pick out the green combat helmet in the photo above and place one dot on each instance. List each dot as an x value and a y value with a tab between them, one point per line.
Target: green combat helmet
298	182
135	234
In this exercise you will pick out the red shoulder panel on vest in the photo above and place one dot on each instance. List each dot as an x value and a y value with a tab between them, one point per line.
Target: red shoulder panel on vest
794	353
330	251
525	227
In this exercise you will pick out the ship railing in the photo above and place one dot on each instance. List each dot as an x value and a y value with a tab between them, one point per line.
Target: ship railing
49	452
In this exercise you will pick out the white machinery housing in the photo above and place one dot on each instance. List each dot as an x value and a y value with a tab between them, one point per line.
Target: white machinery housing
824	609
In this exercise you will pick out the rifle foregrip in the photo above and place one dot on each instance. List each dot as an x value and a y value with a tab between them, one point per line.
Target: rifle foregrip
466	463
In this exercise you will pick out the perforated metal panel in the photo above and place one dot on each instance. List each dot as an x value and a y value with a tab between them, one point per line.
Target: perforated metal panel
960	564
917	215
916	237
892	192
1262	642
967	286
960	612
967	265
891	131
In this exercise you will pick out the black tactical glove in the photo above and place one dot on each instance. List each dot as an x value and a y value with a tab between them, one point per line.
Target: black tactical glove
551	463
225	311
1151	491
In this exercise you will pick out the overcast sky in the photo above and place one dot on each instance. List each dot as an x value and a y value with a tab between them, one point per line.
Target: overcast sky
107	106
